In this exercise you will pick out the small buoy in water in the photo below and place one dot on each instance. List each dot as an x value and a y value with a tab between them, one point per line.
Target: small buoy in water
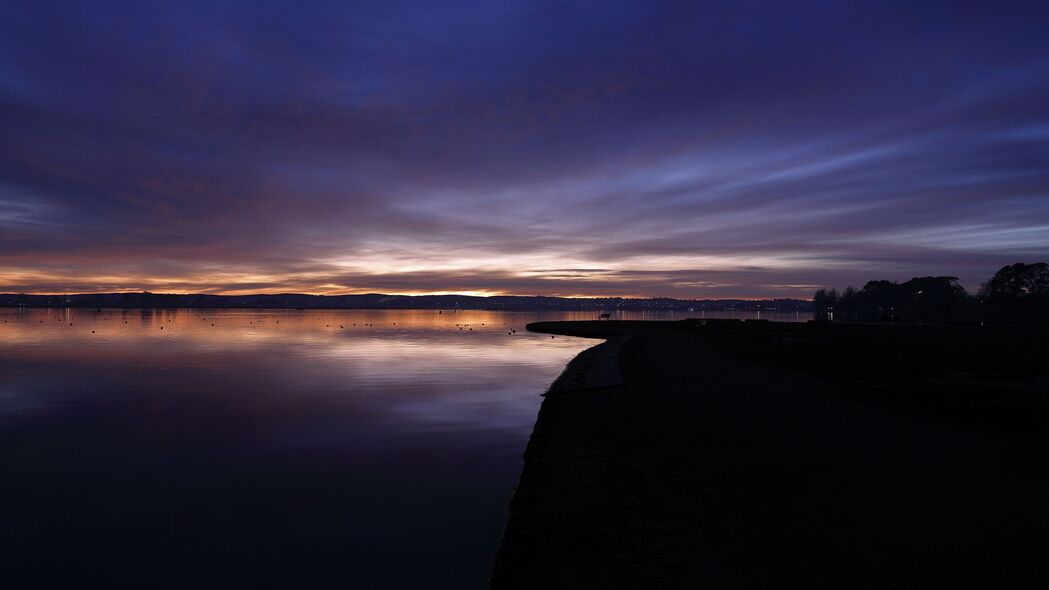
92	331
162	327
551	337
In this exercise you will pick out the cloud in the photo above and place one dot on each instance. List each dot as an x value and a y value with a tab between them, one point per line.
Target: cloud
749	148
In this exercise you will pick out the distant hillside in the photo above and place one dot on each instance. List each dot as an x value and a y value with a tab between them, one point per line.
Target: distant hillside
379	301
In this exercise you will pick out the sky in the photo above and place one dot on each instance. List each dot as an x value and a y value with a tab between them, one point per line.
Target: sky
682	149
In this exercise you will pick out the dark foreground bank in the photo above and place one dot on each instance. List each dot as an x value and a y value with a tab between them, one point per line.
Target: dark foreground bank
756	454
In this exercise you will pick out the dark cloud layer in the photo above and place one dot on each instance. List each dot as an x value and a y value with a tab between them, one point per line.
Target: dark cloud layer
653	148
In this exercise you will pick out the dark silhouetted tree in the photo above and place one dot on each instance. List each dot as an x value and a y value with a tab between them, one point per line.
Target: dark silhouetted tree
921	299
1018	281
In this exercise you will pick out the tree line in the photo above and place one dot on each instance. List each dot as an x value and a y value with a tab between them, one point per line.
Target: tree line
1016	294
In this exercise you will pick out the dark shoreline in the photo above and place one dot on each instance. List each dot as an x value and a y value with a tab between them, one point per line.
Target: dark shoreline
776	455
573	378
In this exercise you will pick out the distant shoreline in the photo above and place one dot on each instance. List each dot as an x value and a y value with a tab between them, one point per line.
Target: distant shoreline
148	300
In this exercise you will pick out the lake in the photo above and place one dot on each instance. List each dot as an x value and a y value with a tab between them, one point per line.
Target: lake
213	448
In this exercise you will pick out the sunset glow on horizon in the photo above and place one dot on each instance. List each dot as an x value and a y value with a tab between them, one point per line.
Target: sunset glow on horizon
559	282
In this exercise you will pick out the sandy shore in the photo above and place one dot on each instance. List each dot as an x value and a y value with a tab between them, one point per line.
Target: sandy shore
715	460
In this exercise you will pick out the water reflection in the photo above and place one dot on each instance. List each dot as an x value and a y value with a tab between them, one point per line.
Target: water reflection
367	448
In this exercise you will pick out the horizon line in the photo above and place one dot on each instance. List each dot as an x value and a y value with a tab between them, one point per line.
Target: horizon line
428	294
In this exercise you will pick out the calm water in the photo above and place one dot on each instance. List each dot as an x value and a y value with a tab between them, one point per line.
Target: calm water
155	447
208	448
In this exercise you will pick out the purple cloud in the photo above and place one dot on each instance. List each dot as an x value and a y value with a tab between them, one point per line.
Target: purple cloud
751	149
